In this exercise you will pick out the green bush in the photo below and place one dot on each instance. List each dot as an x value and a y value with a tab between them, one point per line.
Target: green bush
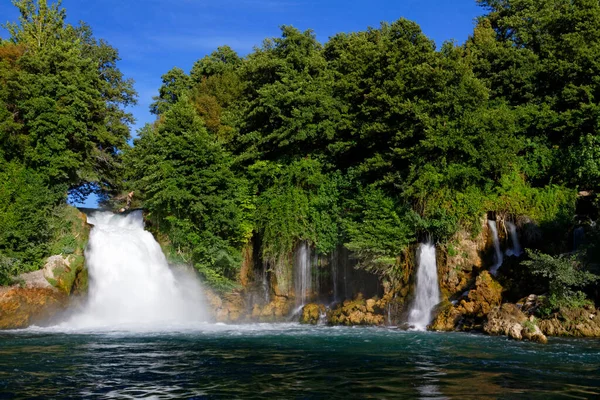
565	275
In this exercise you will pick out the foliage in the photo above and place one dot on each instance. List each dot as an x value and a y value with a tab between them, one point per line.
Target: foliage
25	203
377	230
372	140
184	176
565	275
62	127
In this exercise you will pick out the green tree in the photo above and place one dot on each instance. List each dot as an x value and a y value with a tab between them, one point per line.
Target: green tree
190	192
67	99
565	274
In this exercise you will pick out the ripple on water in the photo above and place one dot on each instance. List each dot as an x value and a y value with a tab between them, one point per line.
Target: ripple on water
290	361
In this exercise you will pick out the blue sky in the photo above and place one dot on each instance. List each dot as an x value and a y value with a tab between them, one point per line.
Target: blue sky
154	36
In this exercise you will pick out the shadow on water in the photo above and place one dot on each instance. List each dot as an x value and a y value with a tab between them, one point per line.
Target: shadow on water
292	361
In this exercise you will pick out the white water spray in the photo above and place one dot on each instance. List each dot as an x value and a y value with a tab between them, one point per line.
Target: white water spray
516	249
131	284
427	290
498	257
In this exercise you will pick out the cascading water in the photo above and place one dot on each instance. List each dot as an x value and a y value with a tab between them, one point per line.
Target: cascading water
131	284
427	290
265	282
578	237
303	278
498	257
516	249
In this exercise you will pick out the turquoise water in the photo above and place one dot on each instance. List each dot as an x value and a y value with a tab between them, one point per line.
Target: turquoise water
292	361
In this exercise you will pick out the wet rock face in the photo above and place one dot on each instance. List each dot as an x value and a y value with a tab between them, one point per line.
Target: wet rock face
471	311
461	261
357	312
486	295
278	309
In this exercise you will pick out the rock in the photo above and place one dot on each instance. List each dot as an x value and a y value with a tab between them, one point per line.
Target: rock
574	322
311	313
502	319
22	307
461	260
514	332
447	318
487	294
370	305
529	304
508	320
472	310
356	312
533	333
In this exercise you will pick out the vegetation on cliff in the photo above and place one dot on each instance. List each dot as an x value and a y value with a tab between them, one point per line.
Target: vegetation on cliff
376	139
372	140
62	128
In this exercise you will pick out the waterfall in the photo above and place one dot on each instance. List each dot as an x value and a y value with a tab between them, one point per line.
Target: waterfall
131	285
498	257
578	237
334	274
516	246
302	269
265	282
427	291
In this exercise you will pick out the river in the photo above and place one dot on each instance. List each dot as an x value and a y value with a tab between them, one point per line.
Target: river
286	361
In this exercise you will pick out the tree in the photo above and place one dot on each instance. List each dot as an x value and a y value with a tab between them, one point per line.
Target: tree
67	98
175	85
190	192
565	274
544	60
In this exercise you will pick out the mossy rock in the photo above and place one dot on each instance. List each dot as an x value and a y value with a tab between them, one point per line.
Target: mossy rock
356	312
311	313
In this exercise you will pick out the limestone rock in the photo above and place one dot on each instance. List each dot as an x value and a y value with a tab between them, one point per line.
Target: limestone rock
580	322
356	312
514	332
447	317
311	313
508	320
22	307
486	295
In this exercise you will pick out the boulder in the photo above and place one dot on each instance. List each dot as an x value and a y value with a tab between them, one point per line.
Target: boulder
508	320
473	309
356	312
311	313
578	322
21	307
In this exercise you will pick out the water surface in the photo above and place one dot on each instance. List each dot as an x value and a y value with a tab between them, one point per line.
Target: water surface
292	361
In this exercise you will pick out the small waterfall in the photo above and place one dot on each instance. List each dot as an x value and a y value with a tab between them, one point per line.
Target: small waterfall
303	277
427	290
334	274
516	249
498	257
578	237
265	282
131	284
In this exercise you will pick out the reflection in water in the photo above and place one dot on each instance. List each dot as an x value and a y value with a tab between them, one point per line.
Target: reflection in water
292	361
429	378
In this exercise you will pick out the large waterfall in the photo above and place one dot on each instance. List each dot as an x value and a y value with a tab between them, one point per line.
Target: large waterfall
427	290
498	257
131	284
